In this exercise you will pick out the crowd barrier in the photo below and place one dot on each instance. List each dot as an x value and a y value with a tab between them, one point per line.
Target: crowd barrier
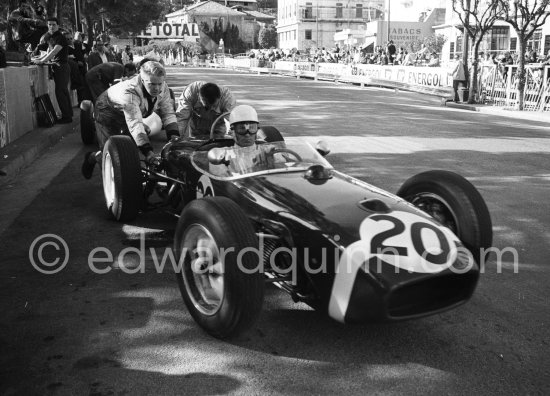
430	80
19	88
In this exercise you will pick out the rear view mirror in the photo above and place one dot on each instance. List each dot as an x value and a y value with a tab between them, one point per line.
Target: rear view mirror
322	148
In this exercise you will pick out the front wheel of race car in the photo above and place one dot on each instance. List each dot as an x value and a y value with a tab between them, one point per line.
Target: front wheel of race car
122	178
455	203
87	126
221	284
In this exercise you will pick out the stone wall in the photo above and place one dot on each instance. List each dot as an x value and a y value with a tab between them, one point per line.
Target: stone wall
19	87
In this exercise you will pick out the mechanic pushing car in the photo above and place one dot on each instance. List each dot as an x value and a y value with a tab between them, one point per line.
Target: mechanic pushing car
198	107
99	78
246	155
123	107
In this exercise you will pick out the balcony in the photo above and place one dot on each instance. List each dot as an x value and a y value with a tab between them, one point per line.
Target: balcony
338	14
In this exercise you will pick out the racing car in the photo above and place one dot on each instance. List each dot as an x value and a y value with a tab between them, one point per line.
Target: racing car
338	244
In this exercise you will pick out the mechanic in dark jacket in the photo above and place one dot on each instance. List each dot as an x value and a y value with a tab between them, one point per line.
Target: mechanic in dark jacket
102	76
123	107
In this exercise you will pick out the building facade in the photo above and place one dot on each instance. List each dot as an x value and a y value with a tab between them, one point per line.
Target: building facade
304	24
501	38
211	11
402	32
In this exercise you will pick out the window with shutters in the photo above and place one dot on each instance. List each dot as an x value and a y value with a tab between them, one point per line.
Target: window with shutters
513	44
308	12
499	39
339	10
359	11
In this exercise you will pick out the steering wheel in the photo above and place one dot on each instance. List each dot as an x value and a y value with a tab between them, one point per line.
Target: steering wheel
288	151
216	121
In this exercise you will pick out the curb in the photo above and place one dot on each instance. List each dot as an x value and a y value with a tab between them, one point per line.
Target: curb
498	111
18	155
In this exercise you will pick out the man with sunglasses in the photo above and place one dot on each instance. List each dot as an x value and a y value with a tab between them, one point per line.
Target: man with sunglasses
198	107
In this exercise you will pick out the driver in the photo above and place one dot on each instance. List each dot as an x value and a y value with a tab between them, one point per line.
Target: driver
199	105
246	155
122	108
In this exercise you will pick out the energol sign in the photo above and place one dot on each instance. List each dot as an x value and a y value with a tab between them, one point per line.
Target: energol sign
171	30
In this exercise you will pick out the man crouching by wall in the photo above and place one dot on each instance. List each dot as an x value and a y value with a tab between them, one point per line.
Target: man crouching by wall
122	108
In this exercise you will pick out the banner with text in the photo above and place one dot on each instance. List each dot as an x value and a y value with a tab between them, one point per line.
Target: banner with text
172	30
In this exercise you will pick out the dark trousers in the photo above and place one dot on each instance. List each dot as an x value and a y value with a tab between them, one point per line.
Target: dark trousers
62	77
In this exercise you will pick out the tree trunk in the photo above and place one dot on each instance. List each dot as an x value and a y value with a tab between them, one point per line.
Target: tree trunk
50	8
11	45
521	71
473	77
59	13
465	43
90	29
465	53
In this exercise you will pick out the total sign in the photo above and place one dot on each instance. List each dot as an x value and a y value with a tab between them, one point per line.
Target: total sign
172	30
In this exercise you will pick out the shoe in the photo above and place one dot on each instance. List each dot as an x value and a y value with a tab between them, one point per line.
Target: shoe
88	166
64	120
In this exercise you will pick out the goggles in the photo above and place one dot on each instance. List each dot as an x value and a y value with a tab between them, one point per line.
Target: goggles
246	127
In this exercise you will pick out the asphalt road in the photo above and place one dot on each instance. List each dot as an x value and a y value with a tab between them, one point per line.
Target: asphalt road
77	332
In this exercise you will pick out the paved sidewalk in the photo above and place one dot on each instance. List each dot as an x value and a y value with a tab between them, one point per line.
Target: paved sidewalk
18	155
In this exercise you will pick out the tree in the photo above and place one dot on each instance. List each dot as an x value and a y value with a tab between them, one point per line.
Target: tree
477	17
267	37
6	11
525	16
434	43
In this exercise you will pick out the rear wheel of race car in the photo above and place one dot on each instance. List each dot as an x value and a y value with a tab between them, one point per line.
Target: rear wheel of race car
87	127
270	134
223	289
455	203
122	178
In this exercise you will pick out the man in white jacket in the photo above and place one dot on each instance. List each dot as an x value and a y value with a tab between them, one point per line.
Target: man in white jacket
122	108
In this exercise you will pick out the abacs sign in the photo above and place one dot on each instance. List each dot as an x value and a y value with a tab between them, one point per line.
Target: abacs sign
172	30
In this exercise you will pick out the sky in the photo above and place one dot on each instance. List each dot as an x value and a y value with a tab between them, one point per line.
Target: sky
409	10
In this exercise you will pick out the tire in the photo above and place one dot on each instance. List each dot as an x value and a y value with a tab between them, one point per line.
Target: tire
270	134
458	205
122	178
232	300
87	127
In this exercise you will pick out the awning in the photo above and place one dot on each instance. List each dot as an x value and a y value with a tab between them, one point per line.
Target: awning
369	41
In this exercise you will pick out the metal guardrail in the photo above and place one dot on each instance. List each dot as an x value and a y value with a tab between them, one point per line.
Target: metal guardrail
497	86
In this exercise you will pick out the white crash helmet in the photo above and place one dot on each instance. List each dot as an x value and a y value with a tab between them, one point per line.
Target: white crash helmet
243	113
154	123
